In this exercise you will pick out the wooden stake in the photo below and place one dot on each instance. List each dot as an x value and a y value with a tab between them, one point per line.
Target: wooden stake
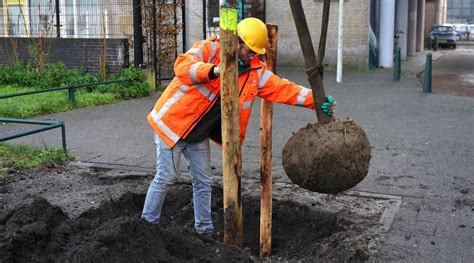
266	151
232	159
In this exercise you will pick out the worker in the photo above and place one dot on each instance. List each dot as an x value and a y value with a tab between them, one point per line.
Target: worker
188	113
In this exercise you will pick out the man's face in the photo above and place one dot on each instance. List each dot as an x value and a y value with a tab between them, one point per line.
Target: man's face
245	53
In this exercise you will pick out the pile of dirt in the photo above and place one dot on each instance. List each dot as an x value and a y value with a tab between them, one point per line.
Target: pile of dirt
327	158
112	231
41	232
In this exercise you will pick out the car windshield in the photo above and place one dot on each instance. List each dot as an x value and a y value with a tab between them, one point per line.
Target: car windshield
442	29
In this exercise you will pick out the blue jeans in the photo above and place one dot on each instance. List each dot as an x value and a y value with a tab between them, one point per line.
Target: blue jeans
167	162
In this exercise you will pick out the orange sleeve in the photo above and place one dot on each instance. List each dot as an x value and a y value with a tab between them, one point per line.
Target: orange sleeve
192	67
273	88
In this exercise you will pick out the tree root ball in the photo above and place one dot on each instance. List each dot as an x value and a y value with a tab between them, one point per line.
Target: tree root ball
327	158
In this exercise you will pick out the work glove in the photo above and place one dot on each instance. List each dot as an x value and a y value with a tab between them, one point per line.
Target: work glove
215	70
329	107
214	73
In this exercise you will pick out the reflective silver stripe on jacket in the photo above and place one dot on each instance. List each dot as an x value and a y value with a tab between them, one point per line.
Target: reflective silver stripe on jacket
213	51
197	52
247	104
264	78
302	96
193	72
158	115
206	92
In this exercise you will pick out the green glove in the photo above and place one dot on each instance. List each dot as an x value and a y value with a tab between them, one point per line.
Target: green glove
329	107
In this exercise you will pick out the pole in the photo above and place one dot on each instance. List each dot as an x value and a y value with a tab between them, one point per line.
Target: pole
58	20
339	42
155	61
137	34
411	35
232	156
387	24
427	80
63	137
266	150
420	26
397	67
204	19
72	98
183	23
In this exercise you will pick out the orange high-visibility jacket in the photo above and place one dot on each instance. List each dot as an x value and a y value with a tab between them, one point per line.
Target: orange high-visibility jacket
191	93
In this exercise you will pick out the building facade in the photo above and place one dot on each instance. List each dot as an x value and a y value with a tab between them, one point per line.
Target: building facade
356	27
460	11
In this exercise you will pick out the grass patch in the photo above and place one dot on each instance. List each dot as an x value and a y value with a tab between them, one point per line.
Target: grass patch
20	157
46	103
3	175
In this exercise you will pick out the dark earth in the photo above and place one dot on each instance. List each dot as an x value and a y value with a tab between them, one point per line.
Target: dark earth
340	161
79	214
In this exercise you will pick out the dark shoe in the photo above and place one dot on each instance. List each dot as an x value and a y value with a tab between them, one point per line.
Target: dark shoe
156	223
206	237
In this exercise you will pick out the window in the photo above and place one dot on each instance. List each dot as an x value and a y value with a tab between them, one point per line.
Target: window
42	18
88	18
16	21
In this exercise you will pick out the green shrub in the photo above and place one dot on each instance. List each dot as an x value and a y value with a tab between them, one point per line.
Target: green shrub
135	87
22	77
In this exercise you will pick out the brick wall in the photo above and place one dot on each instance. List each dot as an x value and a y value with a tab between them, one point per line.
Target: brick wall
355	41
74	52
356	30
430	17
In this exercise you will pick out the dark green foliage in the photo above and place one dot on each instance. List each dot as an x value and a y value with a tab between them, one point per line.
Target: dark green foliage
58	75
22	77
134	87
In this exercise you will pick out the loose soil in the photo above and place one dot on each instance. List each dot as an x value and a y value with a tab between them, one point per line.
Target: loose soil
328	158
86	215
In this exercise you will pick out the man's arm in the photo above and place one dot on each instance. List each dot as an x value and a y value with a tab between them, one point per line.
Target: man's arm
273	88
194	66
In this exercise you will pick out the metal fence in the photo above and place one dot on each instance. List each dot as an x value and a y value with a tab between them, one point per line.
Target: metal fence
163	30
66	18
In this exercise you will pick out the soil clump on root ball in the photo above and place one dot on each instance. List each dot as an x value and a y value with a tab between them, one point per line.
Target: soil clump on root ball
328	158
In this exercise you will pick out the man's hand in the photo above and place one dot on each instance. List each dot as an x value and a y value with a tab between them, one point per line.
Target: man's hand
329	107
214	73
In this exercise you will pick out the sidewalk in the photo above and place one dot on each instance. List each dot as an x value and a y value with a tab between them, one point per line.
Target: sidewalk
422	152
416	64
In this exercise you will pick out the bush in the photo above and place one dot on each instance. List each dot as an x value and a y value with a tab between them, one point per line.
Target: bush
134	87
57	75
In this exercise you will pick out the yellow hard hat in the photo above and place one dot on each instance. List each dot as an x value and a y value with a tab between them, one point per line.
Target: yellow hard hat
254	34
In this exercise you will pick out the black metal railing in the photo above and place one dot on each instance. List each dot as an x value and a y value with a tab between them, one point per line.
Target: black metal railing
50	124
70	88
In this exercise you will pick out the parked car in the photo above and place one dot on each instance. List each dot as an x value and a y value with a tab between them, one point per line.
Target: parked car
470	32
444	35
462	31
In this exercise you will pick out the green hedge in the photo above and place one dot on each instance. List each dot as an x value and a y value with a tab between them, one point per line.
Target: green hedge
24	75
